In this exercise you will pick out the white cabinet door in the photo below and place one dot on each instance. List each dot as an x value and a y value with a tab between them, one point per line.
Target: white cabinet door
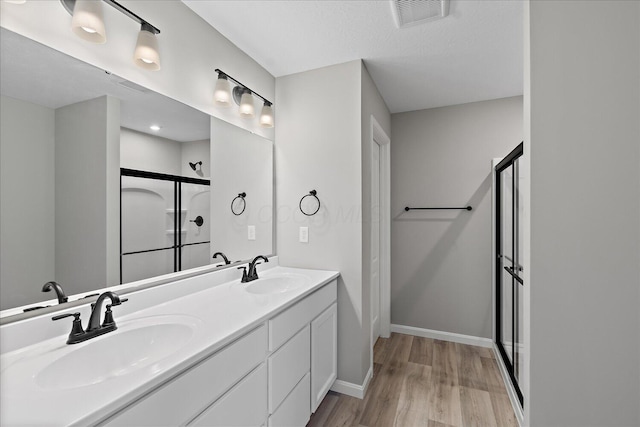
324	354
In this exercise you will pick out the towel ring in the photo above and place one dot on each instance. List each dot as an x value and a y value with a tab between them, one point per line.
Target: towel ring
312	193
240	196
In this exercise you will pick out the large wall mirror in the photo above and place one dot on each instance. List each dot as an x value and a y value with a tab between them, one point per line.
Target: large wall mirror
106	183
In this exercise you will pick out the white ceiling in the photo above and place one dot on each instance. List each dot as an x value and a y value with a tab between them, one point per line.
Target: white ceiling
474	54
38	74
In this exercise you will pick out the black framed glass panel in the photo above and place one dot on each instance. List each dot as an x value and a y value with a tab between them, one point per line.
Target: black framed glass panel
509	283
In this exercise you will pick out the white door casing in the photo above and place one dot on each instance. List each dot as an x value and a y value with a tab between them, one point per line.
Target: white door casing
380	144
375	242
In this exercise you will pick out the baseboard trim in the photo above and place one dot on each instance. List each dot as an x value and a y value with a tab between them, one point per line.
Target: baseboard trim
444	336
511	391
351	389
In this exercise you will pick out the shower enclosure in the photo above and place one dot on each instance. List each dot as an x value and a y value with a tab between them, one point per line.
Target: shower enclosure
164	224
508	270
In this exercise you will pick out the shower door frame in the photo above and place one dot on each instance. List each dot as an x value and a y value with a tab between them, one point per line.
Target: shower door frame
516	280
177	209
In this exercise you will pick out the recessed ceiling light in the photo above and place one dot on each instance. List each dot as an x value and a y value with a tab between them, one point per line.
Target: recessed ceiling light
154	128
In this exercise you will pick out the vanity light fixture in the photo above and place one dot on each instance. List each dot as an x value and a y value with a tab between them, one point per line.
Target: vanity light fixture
247	110
243	96
154	128
15	1
222	92
88	21
146	54
88	24
266	117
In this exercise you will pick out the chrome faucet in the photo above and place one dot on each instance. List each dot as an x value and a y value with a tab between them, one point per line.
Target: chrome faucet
94	328
58	289
252	274
226	260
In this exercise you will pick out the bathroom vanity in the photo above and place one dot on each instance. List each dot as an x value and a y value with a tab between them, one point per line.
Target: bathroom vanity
206	350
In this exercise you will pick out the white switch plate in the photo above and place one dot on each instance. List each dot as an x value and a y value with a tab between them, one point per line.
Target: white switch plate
304	234
251	232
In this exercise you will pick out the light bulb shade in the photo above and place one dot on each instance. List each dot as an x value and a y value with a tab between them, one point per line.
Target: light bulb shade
247	109
146	54
266	117
222	92
88	21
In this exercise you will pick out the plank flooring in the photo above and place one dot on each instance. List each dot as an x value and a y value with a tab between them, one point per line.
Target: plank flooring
421	382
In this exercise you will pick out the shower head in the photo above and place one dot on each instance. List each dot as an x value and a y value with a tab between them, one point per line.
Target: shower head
193	165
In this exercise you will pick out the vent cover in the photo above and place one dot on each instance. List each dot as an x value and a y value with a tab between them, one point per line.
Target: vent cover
131	86
414	12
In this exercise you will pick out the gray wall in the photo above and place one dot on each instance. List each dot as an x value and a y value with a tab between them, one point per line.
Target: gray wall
241	161
585	213
27	137
87	233
318	146
441	260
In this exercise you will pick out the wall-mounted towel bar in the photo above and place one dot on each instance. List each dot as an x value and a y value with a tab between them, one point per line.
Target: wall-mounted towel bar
468	208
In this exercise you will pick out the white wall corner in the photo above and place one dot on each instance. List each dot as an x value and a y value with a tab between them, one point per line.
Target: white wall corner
351	389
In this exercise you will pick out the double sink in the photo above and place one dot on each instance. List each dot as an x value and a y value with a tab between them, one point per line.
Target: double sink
139	344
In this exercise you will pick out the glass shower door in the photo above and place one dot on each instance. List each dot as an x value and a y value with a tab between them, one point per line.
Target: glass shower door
164	224
147	237
196	226
509	283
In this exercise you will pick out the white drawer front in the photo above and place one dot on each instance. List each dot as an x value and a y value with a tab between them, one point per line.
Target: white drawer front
287	365
287	323
187	395
295	410
244	405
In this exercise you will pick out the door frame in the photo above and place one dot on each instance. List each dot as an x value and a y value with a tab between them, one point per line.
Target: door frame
380	137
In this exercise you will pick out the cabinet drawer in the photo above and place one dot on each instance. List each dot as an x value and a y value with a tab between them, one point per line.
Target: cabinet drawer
287	366
182	398
294	411
287	323
244	405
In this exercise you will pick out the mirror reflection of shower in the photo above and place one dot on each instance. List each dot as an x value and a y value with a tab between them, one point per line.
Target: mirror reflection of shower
194	166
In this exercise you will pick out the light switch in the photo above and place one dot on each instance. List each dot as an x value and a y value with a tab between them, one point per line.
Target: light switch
251	232
304	234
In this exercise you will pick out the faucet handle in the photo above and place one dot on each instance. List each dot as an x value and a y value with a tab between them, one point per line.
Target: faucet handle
76	327
244	274
62	316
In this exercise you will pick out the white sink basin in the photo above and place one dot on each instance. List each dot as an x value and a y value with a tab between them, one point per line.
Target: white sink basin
276	284
135	345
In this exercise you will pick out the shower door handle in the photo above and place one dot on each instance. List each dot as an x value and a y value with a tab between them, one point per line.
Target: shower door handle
514	275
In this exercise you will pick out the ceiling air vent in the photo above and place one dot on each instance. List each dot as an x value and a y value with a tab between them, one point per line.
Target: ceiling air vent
414	12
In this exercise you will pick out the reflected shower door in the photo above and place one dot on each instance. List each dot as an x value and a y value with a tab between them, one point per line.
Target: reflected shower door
164	224
147	224
509	283
195	247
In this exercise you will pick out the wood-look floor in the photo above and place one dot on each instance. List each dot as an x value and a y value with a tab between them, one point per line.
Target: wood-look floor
424	382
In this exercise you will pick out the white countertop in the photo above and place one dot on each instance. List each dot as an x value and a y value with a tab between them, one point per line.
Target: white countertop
220	314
